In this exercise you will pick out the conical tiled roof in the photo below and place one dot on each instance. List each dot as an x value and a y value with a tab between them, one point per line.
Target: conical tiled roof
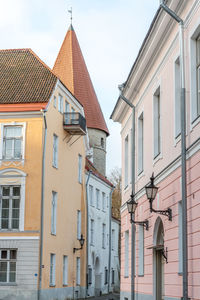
70	67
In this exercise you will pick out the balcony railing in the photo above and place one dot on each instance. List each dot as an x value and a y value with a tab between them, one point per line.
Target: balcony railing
74	123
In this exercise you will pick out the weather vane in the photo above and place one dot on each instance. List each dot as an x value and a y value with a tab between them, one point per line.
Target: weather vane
70	11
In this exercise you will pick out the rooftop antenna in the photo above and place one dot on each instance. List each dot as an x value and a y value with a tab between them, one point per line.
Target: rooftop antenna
70	11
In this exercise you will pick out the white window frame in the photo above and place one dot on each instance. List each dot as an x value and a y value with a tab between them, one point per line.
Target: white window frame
103	201
156	124
54	212
177	99
92	232
60	103
8	260
67	107
23	125
141	143
91	194
97	198
65	270
78	224
52	279
55	151
20	179
126	160
80	159
126	253
194	115
78	271
103	236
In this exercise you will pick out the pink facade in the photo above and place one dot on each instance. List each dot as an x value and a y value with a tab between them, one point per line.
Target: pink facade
153	87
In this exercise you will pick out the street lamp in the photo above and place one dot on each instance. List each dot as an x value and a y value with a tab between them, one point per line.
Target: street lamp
132	205
81	241
151	191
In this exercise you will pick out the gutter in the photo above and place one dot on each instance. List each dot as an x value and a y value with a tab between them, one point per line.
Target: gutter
183	151
42	206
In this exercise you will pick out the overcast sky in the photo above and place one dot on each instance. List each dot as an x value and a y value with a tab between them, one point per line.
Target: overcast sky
110	33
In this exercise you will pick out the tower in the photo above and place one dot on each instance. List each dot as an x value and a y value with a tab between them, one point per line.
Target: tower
71	68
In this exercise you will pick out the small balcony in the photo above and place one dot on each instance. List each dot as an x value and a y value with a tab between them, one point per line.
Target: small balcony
74	123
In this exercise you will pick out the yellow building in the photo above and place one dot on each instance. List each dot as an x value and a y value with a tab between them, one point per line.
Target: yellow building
43	145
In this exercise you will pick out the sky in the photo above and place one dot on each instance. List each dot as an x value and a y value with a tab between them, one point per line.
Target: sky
110	34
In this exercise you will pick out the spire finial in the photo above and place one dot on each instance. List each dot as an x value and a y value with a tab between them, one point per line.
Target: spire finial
70	11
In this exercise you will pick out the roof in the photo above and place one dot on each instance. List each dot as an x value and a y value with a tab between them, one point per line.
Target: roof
71	68
90	167
24	78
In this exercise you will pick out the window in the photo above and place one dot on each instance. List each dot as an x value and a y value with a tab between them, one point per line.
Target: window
140	144
156	121
73	113
177	98
65	270
12	142
89	275
113	240
10	207
106	276
102	143
66	107
91	195
113	276
103	201
103	235
78	224
54	101
97	199
52	269
8	259
60	103
180	243
92	232
53	212
198	74
126	270
78	271
55	151
126	161
80	168
141	251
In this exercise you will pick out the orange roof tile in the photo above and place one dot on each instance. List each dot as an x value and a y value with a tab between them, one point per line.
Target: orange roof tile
24	78
70	67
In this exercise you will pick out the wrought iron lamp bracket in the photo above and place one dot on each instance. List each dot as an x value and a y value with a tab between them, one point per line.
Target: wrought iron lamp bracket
145	223
167	212
165	254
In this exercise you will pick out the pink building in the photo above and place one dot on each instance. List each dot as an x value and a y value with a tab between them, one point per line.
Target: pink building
153	86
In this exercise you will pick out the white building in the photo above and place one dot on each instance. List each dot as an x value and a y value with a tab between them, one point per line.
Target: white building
103	235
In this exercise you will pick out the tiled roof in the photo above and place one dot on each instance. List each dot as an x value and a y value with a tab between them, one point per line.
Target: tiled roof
24	78
70	67
90	167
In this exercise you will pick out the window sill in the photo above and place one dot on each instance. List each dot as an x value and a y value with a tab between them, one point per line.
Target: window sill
54	234
10	230
8	284
141	174
140	275
65	285
177	139
157	158
52	285
126	276
195	122
55	167
180	273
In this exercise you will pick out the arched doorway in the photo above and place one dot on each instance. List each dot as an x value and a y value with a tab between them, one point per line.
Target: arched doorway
158	240
97	277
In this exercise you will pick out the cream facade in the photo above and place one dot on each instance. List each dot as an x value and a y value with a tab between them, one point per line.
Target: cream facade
153	87
37	257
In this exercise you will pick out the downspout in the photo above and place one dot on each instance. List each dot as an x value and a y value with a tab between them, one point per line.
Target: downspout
42	206
133	191
109	253
87	217
183	153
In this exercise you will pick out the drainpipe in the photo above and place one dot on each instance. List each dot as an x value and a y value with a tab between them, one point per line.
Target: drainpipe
183	152
87	216
133	191
42	206
109	253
